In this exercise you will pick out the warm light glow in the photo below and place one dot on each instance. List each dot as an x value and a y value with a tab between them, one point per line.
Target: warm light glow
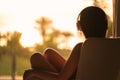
21	16
30	38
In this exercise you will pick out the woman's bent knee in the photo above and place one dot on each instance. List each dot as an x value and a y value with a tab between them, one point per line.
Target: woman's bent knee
35	58
50	52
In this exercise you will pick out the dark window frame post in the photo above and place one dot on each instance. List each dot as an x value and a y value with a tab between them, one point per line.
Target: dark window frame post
116	18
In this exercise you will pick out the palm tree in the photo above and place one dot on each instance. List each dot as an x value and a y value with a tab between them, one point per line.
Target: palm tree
13	45
43	24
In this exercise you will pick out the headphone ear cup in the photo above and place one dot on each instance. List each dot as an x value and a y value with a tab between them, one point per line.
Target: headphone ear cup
78	25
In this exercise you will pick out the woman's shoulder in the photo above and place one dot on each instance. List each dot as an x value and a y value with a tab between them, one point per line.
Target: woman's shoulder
78	45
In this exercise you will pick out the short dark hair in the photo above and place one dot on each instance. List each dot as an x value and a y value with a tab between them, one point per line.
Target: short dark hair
93	22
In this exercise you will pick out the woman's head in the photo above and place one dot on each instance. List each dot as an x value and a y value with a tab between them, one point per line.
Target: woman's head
93	22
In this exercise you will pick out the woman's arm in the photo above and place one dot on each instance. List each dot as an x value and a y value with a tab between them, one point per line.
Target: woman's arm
71	65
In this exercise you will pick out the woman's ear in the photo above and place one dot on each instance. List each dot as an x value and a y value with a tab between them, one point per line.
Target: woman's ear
78	25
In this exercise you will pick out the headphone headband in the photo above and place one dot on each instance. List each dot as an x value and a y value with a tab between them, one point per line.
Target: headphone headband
78	18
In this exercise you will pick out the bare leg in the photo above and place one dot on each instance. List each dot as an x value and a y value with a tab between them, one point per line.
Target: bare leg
54	58
39	62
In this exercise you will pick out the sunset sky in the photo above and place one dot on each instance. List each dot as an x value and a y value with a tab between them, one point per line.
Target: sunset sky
20	15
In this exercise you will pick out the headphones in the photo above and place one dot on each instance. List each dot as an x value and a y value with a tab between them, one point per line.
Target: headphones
78	23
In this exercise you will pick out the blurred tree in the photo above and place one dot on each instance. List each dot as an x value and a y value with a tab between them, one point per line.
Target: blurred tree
101	3
12	40
13	45
43	25
2	48
14	48
51	36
